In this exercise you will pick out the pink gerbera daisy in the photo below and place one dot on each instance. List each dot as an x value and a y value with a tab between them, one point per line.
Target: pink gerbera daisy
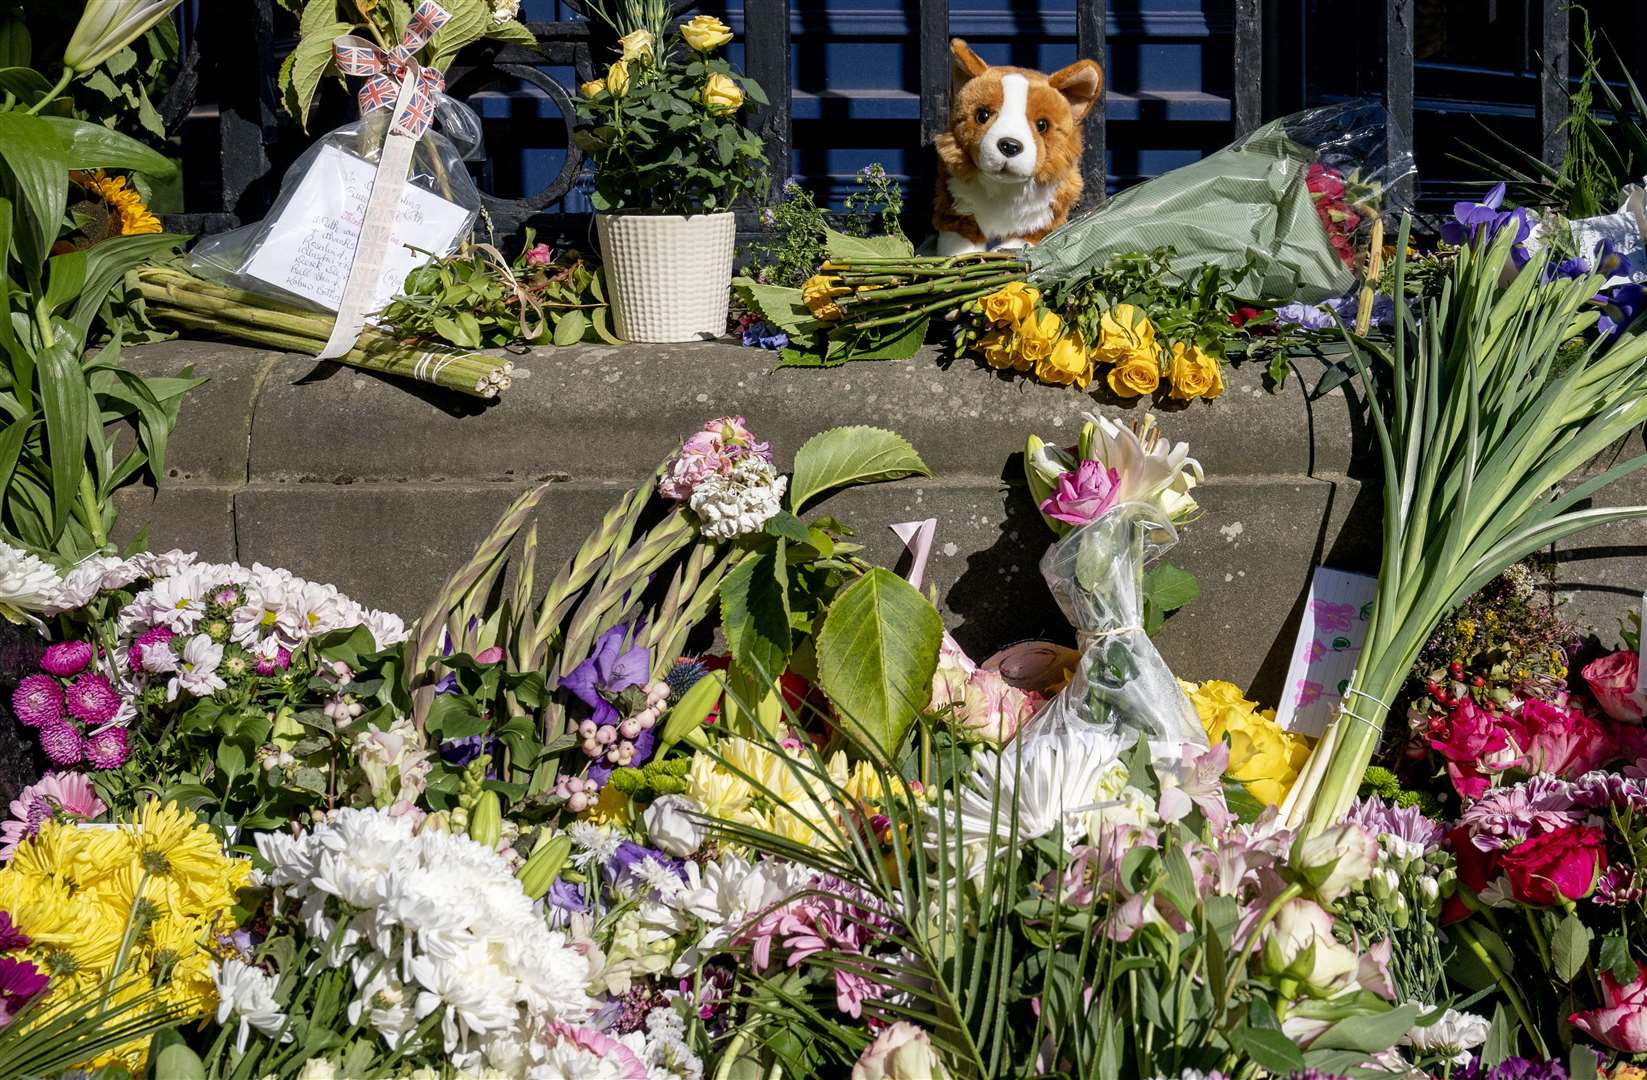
37	700
57	794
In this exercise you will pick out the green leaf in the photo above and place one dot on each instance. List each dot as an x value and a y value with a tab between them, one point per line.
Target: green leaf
308	64
93	146
779	306
1615	957
1501	1039
1166	589
35	178
844	248
513	33
755	613
846	456
65	401
470	21
1270	1049
877	652
107	263
898	342
1369	1032
788	526
1570	947
570	328
24	83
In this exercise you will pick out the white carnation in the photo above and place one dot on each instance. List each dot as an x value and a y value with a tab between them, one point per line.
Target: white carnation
28	585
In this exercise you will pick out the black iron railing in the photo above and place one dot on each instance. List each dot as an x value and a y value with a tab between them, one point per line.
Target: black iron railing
239	142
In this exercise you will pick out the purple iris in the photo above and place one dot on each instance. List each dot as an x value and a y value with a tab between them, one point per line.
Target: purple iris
1576	267
1485	219
608	671
763	335
1382	314
1619	307
1304	316
462	751
1611	261
448	683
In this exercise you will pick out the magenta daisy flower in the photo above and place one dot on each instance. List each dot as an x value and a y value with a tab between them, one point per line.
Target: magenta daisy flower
61	742
11	938
20	983
92	698
108	749
67	658
155	635
37	700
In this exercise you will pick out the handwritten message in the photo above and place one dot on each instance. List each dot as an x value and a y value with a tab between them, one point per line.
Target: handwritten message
1326	650
308	248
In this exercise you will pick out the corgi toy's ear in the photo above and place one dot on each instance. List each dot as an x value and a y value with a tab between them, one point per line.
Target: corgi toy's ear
1080	83
964	64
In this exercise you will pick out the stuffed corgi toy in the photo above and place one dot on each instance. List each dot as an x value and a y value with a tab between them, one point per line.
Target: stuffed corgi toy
1009	167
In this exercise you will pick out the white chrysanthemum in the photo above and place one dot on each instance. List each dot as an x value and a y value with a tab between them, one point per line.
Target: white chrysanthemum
28	585
196	670
358	851
726	894
1053	779
1451	1038
245	992
387	628
740	502
384	1001
91	576
176	602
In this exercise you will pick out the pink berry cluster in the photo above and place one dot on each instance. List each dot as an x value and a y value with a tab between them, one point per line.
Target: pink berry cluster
341	709
73	709
616	743
580	794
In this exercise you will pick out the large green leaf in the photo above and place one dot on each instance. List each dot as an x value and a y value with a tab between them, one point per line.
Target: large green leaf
470	21
897	342
308	64
93	146
64	400
877	652
845	456
779	306
844	248
755	613
36	180
107	263
1369	1032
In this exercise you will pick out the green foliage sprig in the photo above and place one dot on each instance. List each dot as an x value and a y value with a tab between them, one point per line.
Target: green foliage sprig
791	243
1193	308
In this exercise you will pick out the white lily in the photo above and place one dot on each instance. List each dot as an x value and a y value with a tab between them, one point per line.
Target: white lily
1151	468
107	26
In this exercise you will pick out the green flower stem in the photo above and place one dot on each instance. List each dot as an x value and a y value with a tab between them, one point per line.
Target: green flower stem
1479	951
91	510
923	289
1291	892
52	94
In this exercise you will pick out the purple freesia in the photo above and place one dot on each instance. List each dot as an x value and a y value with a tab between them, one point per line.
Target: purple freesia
1083	494
608	671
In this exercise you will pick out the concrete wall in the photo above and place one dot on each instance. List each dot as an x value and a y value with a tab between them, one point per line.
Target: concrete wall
384	489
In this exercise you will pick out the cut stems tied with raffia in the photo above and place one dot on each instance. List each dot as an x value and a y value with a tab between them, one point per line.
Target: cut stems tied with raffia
1482	410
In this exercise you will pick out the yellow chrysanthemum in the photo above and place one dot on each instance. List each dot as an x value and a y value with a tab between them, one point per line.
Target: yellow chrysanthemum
126	206
721	793
176	847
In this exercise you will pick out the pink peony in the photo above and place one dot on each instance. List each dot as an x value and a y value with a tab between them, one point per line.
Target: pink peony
62	743
1470	740
1083	495
109	748
1622	1022
1557	741
540	256
37	700
66	658
1612	680
57	793
92	698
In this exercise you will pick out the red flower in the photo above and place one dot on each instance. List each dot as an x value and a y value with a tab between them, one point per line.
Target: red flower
1324	181
1476	870
1469	738
1244	315
1556	866
1622	1022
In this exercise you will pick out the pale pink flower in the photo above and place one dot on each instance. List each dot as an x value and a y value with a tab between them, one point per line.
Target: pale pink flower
66	794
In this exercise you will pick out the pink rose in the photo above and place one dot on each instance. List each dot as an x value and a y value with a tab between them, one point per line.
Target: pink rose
1622	1022
1471	740
540	256
1083	495
1561	742
1556	866
1612	680
954	669
992	710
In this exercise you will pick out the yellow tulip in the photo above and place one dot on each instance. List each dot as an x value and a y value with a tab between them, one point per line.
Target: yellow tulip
721	94
706	33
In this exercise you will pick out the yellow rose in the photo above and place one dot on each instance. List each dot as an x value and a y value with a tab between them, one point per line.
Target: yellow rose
1000	349
1037	335
721	94
1122	332
637	45
1193	373
617	79
1010	304
1214	694
1069	362
1137	372
706	33
819	293
592	88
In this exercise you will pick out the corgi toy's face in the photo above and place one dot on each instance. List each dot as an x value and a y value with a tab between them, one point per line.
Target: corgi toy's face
1019	125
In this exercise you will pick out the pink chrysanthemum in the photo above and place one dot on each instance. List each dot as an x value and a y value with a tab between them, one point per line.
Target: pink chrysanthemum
109	748
37	700
66	658
92	698
61	742
584	1049
67	793
267	666
155	635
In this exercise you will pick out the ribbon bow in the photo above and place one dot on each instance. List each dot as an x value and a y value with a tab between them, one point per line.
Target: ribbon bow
386	72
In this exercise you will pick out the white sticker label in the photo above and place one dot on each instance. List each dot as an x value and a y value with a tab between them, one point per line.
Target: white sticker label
1324	655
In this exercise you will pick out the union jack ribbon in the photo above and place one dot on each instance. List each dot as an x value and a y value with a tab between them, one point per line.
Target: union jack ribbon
385	71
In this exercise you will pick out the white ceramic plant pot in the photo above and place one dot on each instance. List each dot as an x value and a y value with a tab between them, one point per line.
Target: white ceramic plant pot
669	276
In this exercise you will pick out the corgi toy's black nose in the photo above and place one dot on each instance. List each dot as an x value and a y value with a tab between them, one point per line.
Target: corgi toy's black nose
1009	147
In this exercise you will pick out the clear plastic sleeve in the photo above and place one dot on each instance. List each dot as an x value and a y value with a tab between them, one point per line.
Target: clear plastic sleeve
1287	203
437	168
1096	574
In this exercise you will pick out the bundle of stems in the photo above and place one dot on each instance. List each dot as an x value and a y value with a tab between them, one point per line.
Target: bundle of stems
1488	407
888	291
183	300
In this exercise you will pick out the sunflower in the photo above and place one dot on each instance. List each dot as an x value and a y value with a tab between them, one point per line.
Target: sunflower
128	215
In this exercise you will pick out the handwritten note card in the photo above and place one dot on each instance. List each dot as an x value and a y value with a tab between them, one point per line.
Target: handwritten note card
308	249
1329	643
